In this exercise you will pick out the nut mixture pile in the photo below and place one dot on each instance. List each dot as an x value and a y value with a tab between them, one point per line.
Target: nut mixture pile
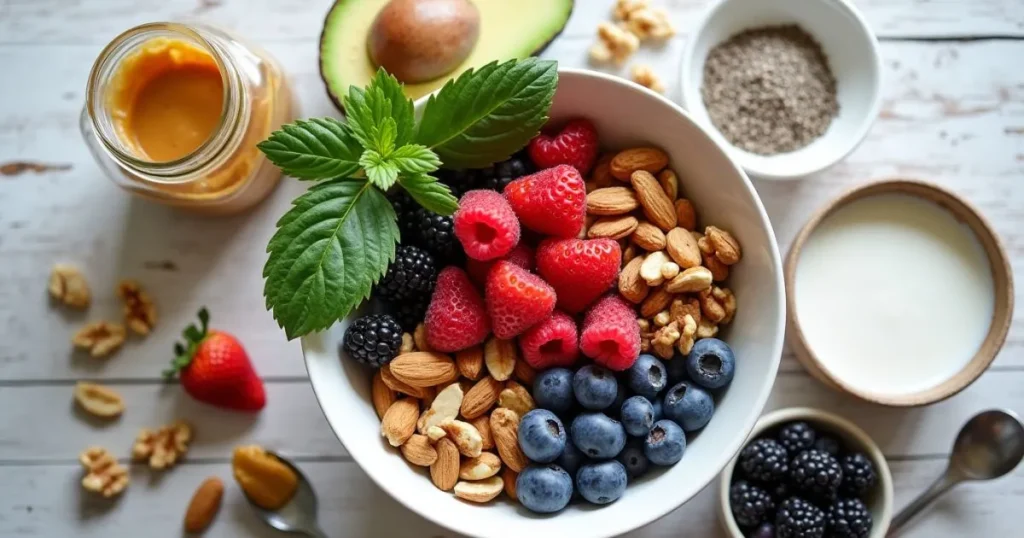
635	22
556	335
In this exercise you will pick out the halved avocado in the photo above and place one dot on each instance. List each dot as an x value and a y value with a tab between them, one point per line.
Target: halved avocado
507	29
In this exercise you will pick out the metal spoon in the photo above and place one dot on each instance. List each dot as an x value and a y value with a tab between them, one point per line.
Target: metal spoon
988	446
298	515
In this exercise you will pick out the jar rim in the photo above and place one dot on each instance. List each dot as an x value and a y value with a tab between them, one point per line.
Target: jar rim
110	58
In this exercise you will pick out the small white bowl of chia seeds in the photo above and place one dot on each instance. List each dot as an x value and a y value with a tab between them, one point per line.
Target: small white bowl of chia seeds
788	87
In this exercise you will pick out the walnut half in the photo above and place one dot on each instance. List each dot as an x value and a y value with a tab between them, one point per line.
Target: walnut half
100	338
103	474
164	447
68	286
139	311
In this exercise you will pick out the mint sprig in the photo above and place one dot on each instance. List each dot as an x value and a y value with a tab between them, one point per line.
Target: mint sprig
337	240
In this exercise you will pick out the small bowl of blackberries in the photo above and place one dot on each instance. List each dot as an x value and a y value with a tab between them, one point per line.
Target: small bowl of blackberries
807	473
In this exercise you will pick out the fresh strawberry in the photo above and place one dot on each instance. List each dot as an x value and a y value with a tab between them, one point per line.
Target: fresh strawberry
486	225
610	333
522	256
552	201
456	318
552	342
576	145
580	270
516	299
214	368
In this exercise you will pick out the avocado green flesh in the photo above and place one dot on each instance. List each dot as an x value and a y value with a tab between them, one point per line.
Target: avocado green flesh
508	29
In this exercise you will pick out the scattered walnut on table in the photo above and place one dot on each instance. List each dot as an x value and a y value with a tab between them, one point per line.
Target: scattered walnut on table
139	311
103	474
100	338
68	285
645	76
614	44
164	447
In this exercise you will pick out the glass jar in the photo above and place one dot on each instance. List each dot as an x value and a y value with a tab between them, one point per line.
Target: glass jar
225	173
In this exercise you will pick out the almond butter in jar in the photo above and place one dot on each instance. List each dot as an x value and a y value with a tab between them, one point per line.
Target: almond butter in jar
173	113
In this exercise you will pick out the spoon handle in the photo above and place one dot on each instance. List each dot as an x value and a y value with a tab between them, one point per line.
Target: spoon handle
315	532
940	486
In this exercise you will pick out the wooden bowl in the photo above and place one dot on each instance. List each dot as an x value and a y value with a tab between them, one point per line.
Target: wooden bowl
1002	277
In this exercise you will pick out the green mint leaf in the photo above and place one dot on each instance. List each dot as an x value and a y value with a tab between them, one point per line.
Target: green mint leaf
319	148
384	135
487	114
369	108
330	248
360	117
430	193
415	159
401	106
380	171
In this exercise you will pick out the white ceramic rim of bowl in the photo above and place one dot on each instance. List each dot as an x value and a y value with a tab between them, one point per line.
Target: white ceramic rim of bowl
880	525
471	528
691	99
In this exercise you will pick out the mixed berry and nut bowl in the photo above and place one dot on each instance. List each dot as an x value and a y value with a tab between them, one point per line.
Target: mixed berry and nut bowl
473	418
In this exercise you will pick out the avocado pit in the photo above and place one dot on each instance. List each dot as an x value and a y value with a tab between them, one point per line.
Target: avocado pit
421	40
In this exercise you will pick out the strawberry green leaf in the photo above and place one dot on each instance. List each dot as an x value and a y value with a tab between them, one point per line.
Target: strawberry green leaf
329	250
380	171
415	159
430	193
486	115
315	149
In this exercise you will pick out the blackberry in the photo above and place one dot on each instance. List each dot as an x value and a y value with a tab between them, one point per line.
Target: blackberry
829	444
411	311
764	460
816	475
797	437
780	491
858	475
766	530
750	504
501	174
411	274
373	339
797	518
459	181
848	518
406	209
437	236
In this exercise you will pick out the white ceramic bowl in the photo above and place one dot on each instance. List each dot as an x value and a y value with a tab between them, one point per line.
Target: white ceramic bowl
879	501
625	114
852	52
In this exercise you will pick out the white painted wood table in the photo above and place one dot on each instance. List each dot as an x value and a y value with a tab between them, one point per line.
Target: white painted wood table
953	113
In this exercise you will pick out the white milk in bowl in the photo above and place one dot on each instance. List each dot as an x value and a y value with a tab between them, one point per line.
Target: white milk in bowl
894	295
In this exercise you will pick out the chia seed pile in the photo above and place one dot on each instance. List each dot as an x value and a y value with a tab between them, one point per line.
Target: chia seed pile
769	90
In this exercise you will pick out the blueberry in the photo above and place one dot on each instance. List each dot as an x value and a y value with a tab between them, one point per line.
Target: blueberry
601	483
647	377
676	370
597	435
634	459
595	387
552	390
659	410
571	458
665	444
689	406
544	488
637	416
541	436
711	363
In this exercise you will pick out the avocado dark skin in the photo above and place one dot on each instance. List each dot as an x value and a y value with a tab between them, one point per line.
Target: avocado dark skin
335	90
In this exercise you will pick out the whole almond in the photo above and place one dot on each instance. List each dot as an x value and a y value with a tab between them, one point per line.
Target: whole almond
692	280
382	394
648	237
726	247
682	247
686	214
505	429
483	466
631	285
669	183
98	401
444	472
465	436
398	385
445	406
483	425
399	422
424	368
481	397
509	477
204	505
524	372
480	491
418	451
613	227
656	204
516	398
651	160
470	362
655	302
612	201
500	357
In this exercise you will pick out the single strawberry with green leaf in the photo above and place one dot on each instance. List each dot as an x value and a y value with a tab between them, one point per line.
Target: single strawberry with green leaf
214	368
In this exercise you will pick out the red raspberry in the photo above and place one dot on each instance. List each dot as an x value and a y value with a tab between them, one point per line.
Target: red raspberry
522	256
552	201
552	342
580	270
516	299
486	225
575	145
610	334
457	317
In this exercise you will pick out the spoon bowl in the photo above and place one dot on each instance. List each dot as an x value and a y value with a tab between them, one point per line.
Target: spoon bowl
299	514
990	445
